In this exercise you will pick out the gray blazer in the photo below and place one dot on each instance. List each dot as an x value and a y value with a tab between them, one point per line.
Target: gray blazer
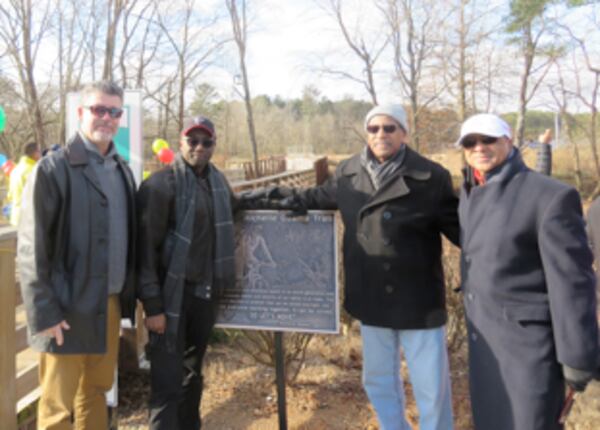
529	296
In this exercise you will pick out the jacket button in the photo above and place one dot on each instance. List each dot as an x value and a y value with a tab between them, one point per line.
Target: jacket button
389	289
387	215
103	202
474	337
467	259
387	267
101	240
470	296
387	241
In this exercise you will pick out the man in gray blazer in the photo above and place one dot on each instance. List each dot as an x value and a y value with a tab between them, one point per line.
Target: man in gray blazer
528	284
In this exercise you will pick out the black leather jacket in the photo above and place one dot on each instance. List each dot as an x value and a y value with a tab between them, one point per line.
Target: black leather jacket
62	251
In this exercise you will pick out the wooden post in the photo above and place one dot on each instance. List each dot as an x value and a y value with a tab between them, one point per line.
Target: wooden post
8	372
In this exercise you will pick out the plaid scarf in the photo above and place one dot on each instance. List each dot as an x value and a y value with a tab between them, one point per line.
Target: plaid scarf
379	172
185	211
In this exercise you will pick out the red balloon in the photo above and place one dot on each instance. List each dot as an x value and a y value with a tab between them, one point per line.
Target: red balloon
165	155
8	167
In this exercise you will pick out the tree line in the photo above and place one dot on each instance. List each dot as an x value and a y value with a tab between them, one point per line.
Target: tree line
444	60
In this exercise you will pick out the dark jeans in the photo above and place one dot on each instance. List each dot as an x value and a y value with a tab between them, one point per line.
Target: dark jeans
176	378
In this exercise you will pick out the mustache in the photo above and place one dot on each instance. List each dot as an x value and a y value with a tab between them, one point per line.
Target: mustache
103	124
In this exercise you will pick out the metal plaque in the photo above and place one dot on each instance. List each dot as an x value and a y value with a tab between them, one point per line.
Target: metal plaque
287	274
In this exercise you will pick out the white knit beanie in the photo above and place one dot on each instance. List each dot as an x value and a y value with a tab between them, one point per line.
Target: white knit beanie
394	111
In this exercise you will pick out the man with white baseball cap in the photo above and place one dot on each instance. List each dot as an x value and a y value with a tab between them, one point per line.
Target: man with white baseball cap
528	284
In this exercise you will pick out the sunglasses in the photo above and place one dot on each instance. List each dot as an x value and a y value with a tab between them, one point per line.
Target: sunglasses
99	111
470	142
206	143
387	129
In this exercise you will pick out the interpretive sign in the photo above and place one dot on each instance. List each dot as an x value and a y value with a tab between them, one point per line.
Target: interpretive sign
287	274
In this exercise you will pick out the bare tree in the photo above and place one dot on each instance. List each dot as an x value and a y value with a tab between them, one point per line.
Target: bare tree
114	11
187	33
468	56
366	49
561	95
239	24
70	18
414	26
23	36
528	24
138	51
589	97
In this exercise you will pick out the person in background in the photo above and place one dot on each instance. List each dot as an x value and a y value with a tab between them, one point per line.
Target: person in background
75	255
528	285
18	177
544	154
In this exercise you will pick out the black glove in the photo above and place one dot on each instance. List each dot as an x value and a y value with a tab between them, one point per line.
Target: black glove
294	204
577	379
264	198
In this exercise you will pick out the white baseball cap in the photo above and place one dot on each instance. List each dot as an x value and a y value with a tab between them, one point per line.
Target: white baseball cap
486	124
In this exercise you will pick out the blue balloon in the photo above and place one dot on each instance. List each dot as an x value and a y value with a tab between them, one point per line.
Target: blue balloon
2	159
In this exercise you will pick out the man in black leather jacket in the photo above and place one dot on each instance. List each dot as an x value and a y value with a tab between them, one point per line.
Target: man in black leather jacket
76	258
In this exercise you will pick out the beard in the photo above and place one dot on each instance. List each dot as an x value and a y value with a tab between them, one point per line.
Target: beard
102	136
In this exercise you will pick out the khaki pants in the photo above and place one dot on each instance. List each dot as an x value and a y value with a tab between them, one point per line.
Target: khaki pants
75	384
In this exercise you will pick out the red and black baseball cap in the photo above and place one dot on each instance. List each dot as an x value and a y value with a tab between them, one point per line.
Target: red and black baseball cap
199	123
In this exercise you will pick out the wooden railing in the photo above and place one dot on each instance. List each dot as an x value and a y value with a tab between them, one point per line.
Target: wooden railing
266	167
18	389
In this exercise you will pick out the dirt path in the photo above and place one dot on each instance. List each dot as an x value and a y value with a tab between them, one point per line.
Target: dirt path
327	396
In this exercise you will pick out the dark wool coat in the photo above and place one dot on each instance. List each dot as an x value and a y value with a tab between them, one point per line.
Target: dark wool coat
392	243
63	251
529	296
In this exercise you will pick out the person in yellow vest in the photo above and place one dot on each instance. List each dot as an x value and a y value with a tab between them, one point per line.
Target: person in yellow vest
18	177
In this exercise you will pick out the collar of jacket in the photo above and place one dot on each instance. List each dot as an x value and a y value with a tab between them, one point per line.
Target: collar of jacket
77	154
26	160
414	167
499	174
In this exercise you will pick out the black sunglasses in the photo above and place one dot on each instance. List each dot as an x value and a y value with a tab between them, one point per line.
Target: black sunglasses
206	143
387	129
99	111
470	142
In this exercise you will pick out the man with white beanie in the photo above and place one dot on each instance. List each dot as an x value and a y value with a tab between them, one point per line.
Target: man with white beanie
395	204
528	284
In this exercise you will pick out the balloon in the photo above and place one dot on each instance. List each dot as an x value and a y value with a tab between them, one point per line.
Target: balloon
2	120
159	144
165	155
8	167
2	159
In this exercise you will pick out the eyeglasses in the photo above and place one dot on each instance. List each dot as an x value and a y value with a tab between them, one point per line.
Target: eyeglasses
206	143
99	111
470	142
387	129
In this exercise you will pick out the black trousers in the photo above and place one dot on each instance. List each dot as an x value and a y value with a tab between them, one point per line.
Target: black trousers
176	378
